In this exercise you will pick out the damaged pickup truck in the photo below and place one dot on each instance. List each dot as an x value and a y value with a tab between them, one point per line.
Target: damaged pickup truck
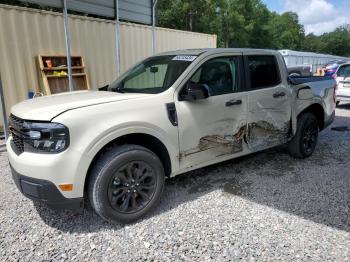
169	114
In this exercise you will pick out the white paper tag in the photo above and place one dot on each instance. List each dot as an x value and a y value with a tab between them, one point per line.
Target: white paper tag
188	58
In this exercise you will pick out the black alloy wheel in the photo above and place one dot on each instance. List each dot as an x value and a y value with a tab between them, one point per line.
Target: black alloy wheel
132	187
125	183
310	134
304	141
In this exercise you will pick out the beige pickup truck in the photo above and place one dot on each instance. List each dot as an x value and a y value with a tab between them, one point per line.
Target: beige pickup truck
167	115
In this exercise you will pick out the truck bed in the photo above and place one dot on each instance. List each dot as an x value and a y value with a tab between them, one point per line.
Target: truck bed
306	79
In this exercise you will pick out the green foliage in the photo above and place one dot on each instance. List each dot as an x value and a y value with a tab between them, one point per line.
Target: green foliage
335	43
286	31
237	23
248	23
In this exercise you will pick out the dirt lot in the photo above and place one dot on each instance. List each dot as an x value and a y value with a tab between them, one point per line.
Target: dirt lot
262	207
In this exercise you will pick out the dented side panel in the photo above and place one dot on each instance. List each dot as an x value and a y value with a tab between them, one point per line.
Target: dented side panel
269	118
210	130
310	93
270	112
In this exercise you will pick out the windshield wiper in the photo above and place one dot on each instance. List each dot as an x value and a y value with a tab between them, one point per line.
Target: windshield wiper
118	90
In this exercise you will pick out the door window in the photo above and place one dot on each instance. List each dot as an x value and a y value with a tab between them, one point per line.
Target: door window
219	74
263	71
344	71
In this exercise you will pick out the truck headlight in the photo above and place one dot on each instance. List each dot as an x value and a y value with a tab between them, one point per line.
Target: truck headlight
41	137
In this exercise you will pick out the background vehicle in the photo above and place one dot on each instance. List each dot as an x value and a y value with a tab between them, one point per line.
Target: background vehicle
169	114
331	67
300	70
342	76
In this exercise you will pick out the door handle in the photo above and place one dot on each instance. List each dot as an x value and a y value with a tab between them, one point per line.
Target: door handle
234	102
279	94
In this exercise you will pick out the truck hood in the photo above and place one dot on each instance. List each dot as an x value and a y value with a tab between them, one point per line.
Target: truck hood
47	107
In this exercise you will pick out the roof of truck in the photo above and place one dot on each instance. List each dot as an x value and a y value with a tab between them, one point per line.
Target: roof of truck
197	52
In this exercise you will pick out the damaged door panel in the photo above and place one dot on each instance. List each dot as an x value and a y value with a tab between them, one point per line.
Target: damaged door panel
269	122
269	104
219	145
213	133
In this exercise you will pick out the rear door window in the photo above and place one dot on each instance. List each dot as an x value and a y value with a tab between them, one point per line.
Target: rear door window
263	71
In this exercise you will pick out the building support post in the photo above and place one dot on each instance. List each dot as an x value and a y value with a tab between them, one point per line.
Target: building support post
117	37
154	47
67	43
3	107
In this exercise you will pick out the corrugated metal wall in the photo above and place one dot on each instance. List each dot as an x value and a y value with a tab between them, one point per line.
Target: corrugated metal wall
26	33
294	58
136	42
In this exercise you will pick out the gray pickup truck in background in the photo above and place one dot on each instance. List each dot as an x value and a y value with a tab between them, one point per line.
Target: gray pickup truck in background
300	70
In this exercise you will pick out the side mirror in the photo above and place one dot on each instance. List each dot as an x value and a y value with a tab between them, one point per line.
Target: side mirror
194	92
154	69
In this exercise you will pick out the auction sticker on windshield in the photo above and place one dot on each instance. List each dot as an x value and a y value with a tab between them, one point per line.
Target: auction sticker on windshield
188	58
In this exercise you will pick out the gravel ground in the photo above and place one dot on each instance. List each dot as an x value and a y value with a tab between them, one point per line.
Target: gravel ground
266	206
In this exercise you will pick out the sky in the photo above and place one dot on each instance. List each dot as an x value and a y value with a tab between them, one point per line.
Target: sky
317	16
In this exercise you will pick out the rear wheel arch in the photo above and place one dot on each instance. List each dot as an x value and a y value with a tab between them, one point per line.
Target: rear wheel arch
318	111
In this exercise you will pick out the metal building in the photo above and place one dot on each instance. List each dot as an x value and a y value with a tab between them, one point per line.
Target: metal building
294	58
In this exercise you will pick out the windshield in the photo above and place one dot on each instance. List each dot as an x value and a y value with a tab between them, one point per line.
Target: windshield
153	75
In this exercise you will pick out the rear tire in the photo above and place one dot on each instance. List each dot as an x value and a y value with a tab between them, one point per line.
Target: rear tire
304	142
126	183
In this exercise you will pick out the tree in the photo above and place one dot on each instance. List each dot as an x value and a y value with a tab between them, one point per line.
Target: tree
255	17
312	43
183	14
286	31
248	23
336	42
238	23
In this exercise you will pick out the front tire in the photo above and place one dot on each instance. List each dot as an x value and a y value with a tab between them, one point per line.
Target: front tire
304	142
126	183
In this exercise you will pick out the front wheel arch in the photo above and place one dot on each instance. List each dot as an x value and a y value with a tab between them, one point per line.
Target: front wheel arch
148	141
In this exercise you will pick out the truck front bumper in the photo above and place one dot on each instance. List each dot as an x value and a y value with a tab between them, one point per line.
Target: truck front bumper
39	176
44	191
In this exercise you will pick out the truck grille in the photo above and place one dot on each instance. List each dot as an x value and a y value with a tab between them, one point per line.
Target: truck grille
16	127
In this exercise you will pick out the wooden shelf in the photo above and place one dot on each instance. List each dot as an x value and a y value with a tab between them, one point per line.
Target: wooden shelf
53	84
62	68
73	75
